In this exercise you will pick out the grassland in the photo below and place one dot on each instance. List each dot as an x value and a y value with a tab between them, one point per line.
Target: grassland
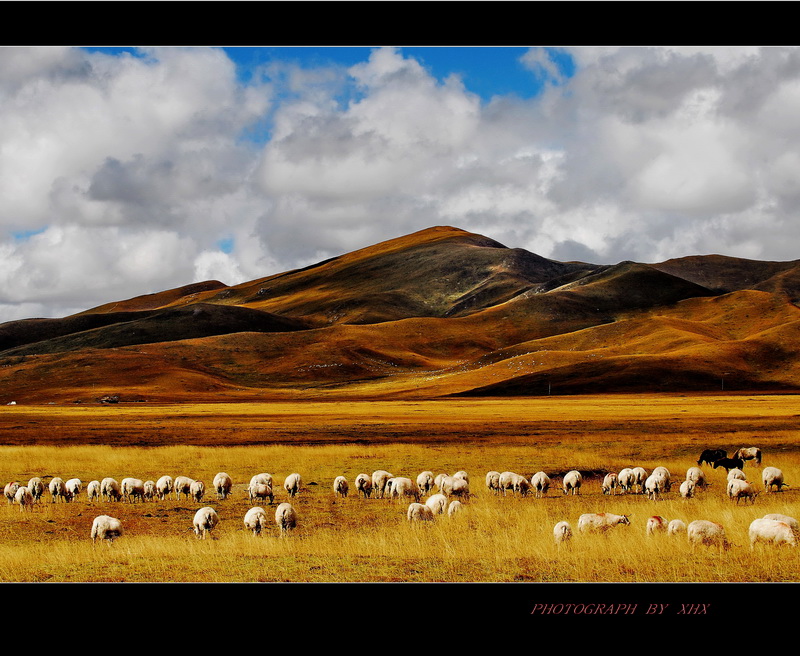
495	538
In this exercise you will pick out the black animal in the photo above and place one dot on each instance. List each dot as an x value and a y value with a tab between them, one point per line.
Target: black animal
712	455
729	463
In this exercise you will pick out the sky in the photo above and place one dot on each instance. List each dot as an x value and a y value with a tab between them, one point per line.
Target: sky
128	171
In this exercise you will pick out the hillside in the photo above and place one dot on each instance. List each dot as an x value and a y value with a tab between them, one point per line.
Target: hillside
438	312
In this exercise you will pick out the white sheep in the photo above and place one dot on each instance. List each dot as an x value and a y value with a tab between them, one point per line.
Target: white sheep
541	483
676	527
341	486
292	485
132	489
10	491
364	485
74	487
182	485
639	477
655	485
437	481
626	480
197	490
736	473
106	528
462	475
204	521
36	488
164	487
110	489
260	492
687	489
572	482
506	481
562	533
263	478
24	498
601	522
738	489
418	512
609	484
771	531
58	490
425	482
223	485
379	479
665	474
401	488
697	476
255	520
285	518
493	481
710	534
656	524
437	503
454	507
786	519
455	487
149	490
93	490
772	477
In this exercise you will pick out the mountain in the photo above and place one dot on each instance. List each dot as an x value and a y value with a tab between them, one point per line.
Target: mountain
434	313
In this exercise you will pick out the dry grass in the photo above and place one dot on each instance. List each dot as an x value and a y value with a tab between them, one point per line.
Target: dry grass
495	538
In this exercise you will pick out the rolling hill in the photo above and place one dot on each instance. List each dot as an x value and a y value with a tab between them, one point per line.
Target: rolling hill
434	313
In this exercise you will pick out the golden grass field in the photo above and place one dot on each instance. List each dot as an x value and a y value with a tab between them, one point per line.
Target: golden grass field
494	539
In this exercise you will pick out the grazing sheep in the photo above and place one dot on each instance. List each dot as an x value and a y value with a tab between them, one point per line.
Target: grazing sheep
506	481
106	528
639	476
255	520
425	482
164	487
58	490
93	490
600	521
437	481
437	503
520	485
379	479
10	491
292	485
263	478
74	487
741	490
260	492
609	484
455	507
223	485
676	527
340	486
132	489
285	518
771	531
418	512
149	490
656	524
459	487
401	488
562	533
110	490
462	475
572	482
687	489
663	472
493	481
791	521
749	453
736	473
36	488
626	479
197	490
364	485
709	534
697	476
772	477
24	498
182	485
541	483
204	521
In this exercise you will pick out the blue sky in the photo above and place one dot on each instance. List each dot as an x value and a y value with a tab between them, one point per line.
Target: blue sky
125	172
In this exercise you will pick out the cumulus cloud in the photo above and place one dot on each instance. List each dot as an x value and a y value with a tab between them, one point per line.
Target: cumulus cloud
123	175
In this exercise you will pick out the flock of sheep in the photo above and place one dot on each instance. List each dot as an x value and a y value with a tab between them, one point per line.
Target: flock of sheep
446	495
